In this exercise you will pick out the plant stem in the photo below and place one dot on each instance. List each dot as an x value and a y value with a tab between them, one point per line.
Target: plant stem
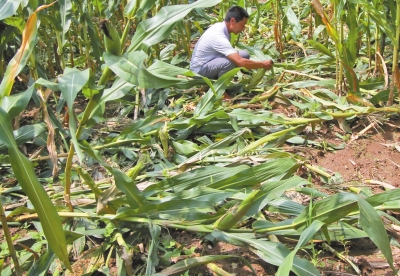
9	240
395	63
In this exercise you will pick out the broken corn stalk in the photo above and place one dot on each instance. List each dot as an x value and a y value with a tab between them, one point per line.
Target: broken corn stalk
235	214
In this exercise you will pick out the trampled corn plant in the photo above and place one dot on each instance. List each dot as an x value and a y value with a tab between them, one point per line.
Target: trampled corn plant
206	169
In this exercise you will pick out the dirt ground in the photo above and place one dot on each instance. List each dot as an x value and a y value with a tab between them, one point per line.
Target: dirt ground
370	158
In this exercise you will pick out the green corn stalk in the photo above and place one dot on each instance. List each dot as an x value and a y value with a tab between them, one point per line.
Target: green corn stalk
163	135
255	79
235	214
134	171
395	69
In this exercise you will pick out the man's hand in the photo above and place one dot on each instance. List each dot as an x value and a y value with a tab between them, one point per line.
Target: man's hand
267	64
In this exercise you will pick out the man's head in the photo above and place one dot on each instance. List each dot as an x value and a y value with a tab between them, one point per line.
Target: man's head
236	19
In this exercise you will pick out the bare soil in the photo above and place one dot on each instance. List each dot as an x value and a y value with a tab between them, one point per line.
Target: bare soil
370	158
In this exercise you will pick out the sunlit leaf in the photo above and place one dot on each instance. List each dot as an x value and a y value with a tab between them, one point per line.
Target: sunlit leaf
153	30
25	174
8	8
20	59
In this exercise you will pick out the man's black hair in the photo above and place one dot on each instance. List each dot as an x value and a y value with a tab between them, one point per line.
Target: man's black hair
236	12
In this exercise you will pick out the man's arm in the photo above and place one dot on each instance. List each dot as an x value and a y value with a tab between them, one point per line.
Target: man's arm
250	64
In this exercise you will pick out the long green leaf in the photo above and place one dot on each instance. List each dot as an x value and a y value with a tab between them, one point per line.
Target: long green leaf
15	104
131	68
71	83
195	178
153	258
193	262
305	237
24	172
8	8
271	252
274	169
372	224
26	133
152	31
186	210
65	16
270	137
214	147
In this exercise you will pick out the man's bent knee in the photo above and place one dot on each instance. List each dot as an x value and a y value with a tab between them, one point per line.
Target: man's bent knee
244	54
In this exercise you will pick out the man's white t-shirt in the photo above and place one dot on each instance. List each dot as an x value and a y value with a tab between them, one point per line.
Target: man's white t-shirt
215	42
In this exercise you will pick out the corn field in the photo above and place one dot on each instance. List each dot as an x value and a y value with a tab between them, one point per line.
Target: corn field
127	143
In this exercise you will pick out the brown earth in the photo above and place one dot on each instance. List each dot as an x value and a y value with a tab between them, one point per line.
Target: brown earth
371	159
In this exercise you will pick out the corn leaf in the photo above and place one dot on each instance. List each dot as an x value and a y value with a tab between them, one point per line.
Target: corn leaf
274	169
271	252
25	174
136	9
195	178
130	67
15	104
8	8
65	18
153	30
306	236
153	259
177	210
214	94
372	224
26	133
123	182
193	262
71	83
270	137
214	147
274	189
18	62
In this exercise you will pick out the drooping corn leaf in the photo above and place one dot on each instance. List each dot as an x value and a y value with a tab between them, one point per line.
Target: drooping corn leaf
187	264
185	210
8	8
214	147
26	133
214	94
71	83
15	104
18	62
372	224
131	68
271	252
195	178
274	169
305	237
24	172
153	30
153	258
321	12
123	182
